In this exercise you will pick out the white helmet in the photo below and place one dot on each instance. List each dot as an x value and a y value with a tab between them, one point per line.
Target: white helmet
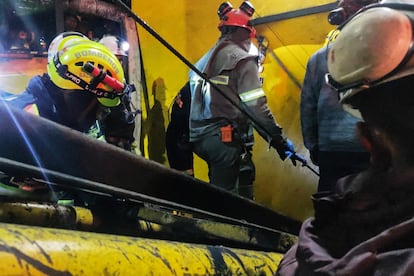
62	41
114	44
374	47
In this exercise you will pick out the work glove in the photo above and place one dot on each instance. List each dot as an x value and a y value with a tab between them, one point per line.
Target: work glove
118	127
285	149
119	142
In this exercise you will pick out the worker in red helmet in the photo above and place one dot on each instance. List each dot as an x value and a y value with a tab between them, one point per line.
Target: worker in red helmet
237	17
220	132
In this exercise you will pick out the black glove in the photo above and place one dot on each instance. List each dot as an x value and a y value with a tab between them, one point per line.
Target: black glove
285	149
119	142
314	155
118	127
297	157
279	144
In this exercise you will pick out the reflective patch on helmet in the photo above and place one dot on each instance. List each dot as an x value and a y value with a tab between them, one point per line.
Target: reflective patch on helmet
32	109
252	95
220	79
93	53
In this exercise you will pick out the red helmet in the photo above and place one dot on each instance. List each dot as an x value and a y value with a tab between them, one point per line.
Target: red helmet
239	18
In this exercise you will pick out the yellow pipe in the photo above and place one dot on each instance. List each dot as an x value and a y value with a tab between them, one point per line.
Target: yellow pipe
29	250
46	214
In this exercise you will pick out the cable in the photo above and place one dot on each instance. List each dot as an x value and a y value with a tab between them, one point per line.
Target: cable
198	72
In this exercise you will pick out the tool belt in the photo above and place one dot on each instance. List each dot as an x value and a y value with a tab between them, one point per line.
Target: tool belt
229	134
226	134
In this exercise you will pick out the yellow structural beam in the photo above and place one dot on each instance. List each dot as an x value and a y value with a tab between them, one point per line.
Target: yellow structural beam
29	250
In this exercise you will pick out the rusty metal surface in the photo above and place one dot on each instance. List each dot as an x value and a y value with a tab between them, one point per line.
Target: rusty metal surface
144	221
211	232
32	250
99	8
46	215
30	140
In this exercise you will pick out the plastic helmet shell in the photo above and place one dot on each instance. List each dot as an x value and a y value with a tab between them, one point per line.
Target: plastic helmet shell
237	18
63	40
75	56
113	44
370	46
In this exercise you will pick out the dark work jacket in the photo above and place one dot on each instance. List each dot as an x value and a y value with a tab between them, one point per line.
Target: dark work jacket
178	146
235	72
78	110
325	124
180	116
365	228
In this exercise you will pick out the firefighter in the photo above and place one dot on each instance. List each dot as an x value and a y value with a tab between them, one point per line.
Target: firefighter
366	226
72	97
219	130
179	148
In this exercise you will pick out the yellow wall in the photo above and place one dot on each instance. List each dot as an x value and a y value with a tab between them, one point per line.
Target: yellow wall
191	28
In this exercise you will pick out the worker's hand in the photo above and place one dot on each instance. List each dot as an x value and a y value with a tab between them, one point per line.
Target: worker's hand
285	149
119	142
118	126
297	157
290	152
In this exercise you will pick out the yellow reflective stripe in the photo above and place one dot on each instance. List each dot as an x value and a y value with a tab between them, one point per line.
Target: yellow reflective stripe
220	79
252	95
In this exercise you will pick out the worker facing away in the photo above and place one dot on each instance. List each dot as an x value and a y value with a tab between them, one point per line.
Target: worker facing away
221	114
365	226
328	131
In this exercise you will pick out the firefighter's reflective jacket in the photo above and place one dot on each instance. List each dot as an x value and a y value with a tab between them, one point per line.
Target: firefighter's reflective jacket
235	72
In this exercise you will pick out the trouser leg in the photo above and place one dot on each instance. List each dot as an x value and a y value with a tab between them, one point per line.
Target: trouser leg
247	175
223	160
